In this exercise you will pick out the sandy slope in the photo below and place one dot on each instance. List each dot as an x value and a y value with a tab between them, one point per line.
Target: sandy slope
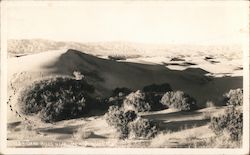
94	131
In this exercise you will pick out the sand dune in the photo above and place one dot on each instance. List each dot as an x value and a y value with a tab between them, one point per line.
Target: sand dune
106	74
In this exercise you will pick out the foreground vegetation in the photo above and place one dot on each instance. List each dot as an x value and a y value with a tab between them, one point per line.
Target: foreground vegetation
64	98
57	99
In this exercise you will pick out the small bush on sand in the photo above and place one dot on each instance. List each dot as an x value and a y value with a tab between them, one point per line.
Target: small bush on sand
154	93
142	128
178	100
57	99
230	122
136	101
119	119
234	97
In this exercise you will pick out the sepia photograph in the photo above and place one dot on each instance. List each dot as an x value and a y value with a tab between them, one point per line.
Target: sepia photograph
124	77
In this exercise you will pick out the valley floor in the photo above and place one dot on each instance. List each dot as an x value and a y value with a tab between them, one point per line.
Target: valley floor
177	130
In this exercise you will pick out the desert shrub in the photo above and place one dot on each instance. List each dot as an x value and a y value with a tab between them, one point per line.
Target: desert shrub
231	122
154	93
142	128
119	119
114	115
178	100
136	101
57	98
234	97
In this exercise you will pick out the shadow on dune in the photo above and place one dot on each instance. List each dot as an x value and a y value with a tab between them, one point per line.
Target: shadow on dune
170	122
106	75
180	125
62	130
93	135
13	125
30	146
172	115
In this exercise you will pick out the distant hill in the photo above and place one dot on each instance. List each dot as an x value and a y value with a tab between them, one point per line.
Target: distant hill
31	46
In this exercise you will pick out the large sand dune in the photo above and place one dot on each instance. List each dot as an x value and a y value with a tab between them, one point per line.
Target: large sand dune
106	74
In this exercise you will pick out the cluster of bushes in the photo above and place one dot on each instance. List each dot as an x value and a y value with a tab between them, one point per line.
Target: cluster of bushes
154	93
129	125
151	98
58	98
125	106
62	98
178	100
123	114
231	122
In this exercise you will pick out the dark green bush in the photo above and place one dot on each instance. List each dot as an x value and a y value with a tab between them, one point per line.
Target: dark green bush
57	98
142	128
154	93
136	101
127	124
119	119
179	100
234	97
231	122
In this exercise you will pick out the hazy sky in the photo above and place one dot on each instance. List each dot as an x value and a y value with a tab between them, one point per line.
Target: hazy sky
140	21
